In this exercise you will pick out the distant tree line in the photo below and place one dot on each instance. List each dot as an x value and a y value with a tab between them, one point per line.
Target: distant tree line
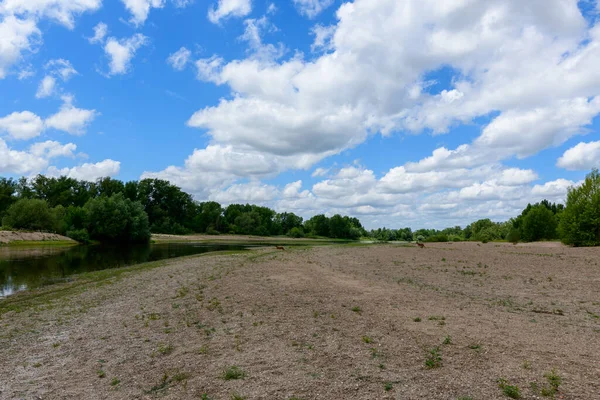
576	223
110	210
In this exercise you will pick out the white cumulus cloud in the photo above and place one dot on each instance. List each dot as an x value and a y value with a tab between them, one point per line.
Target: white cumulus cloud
229	8
23	125
584	156
179	59
122	51
88	171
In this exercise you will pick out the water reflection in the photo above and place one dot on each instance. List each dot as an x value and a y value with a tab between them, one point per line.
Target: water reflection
22	269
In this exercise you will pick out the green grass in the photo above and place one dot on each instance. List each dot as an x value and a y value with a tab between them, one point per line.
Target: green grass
115	381
233	372
367	339
511	391
417	319
434	358
356	309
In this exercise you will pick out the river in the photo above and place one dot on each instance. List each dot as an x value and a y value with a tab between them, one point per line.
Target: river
28	268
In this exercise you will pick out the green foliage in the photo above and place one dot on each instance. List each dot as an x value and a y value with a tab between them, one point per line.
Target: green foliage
434	358
511	391
30	214
8	190
79	235
117	219
296	232
580	221
440	237
233	373
514	236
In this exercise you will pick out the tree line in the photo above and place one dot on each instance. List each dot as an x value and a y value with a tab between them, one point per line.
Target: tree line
111	210
576	223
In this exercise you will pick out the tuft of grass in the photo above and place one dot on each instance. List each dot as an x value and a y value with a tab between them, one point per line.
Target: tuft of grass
526	364
476	347
165	349
367	339
554	381
437	318
115	381
388	386
447	340
434	358
237	396
37	365
356	309
511	391
417	319
101	373
233	372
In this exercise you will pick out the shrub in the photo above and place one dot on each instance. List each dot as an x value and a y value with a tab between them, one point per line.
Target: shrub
442	237
30	214
79	235
514	236
116	218
296	233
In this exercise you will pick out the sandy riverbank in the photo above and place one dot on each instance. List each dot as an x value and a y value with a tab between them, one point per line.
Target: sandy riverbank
339	322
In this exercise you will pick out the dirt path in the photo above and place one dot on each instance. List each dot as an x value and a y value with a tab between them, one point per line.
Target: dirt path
321	323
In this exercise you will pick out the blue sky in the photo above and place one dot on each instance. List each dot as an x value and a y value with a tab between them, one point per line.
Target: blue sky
413	113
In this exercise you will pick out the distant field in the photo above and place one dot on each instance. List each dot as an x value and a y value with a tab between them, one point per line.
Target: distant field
449	321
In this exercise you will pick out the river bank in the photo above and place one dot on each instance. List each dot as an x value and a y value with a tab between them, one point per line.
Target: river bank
16	238
325	322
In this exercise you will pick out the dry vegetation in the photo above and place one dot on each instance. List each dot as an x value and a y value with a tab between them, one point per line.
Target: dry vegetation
450	321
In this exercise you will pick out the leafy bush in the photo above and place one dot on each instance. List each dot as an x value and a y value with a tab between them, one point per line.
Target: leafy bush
79	235
116	218
296	233
30	214
580	221
514	236
437	238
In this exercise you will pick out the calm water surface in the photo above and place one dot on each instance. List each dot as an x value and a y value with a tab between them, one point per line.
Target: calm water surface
27	268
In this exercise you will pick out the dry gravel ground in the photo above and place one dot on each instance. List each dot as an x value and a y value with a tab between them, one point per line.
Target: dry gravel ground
15	236
316	323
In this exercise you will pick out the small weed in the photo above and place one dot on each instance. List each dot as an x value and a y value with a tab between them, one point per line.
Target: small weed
447	340
55	345
115	381
233	373
203	349
154	316
554	381
237	396
437	318
443	259
164	383
101	373
315	314
465	398
418	319
476	347
388	386
165	349
367	339
180	376
434	358
356	309
37	365
526	364
183	291
511	391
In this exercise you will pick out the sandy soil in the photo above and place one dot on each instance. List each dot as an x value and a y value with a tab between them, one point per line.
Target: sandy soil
318	323
12	236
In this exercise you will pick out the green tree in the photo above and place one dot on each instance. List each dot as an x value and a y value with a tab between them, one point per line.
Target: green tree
116	218
539	223
8	191
30	214
580	221
317	225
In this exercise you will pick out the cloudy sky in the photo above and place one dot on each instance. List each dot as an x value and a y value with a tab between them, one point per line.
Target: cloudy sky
416	113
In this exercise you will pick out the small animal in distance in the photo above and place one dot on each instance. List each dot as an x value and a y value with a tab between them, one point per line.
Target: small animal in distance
421	245
279	247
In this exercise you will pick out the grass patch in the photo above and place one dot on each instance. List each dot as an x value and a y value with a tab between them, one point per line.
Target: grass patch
511	391
434	358
233	373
